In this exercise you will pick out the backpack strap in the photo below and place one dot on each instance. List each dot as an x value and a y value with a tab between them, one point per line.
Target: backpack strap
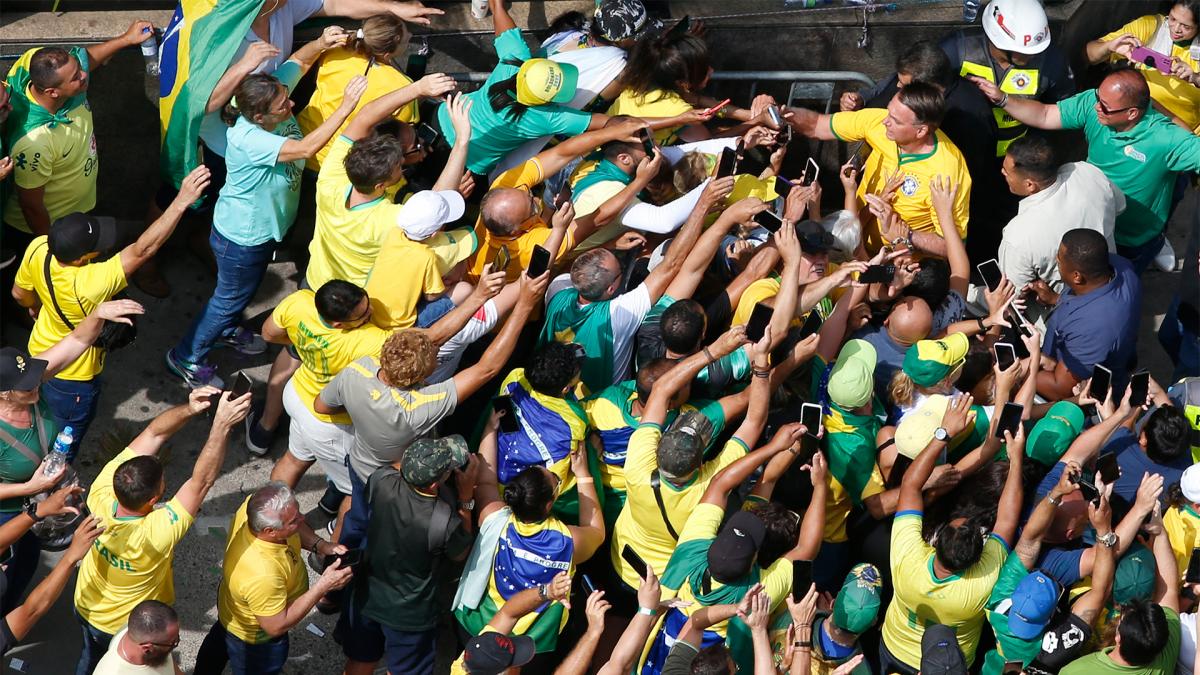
656	485
439	525
12	441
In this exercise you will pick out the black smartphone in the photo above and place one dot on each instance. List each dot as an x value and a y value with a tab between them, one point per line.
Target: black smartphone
1013	668
878	274
351	558
990	271
801	579
508	421
588	586
635	561
810	417
1019	323
427	135
727	162
1139	388
1006	355
1107	468
1193	568
1088	490
241	385
769	221
1101	381
783	186
539	262
647	141
564	195
812	324
899	466
760	318
1012	336
1090	413
856	156
1010	419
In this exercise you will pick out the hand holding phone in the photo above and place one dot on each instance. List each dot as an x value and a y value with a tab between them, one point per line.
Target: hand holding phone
717	108
1010	419
877	274
801	579
810	417
1108	468
727	163
1101	381
1139	388
539	262
990	271
760	318
1006	355
635	561
647	141
812	171
768	220
508	421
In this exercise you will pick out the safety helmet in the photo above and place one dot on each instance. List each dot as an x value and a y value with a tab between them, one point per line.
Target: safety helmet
1017	26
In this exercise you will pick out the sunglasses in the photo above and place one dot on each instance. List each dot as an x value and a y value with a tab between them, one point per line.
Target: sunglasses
1105	109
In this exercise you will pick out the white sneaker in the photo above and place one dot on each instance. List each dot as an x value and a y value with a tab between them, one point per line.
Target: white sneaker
1165	260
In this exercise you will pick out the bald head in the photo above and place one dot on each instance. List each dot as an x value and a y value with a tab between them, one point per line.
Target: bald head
909	321
505	209
1126	88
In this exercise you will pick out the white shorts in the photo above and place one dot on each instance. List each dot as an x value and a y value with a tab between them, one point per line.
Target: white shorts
310	439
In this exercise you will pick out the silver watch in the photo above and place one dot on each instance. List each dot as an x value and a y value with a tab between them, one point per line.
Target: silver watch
941	434
468	505
1109	540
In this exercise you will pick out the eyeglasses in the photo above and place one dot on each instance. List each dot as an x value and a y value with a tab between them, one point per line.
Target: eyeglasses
164	645
1105	109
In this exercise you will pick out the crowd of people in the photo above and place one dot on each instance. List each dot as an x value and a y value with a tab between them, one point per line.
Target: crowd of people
596	380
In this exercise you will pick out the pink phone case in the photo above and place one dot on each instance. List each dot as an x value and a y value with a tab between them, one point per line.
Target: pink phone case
1153	59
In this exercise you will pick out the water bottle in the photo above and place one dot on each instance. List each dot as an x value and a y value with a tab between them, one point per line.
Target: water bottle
56	531
62	449
970	10
150	56
417	61
479	9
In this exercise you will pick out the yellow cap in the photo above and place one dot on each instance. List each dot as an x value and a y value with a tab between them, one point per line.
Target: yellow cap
542	81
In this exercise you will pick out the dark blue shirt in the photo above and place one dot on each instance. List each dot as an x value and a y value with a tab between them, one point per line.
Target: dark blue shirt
1098	327
1134	462
889	356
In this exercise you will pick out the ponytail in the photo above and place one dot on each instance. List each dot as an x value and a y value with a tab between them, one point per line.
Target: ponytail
380	34
251	98
902	389
1174	497
502	96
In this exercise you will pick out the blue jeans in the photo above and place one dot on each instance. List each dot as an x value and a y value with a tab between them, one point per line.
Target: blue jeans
428	313
1143	254
95	644
73	404
221	647
240	270
21	565
1181	344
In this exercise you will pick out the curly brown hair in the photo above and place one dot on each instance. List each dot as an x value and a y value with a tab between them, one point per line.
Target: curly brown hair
407	358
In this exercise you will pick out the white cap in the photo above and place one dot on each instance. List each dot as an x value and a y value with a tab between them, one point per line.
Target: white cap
427	211
1189	483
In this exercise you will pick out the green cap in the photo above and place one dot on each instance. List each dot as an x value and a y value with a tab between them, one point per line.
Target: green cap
1054	433
429	459
857	604
852	381
681	448
931	361
1135	575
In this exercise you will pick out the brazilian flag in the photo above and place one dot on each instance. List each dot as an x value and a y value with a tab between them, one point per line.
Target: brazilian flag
198	46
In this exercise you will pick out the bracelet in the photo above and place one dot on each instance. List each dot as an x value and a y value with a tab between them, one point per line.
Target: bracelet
804	644
316	544
647	611
1003	100
544	591
708	355
585	481
1057	501
761	373
982	328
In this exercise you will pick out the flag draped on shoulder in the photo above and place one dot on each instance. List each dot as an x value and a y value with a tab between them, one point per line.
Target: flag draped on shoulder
198	46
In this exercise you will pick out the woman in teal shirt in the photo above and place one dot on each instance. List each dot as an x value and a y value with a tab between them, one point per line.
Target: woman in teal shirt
257	205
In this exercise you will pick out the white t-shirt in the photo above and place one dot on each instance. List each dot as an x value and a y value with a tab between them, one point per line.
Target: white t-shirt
113	664
283	24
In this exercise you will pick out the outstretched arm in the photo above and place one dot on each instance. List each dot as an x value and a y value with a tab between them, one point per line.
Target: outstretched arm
955	419
161	428
687	278
735	474
1089	605
658	279
22	619
133	36
655	411
812	528
1024	110
136	254
553	160
558	590
230	413
66	350
1008	515
430	86
469	380
810	123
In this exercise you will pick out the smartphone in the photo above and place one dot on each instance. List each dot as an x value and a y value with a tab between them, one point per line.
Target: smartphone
1010	419
564	195
856	157
588	586
1139	388
878	274
1006	355
1019	322
502	259
811	172
1193	568
351	558
1152	59
635	561
812	324
801	579
713	110
1101	381
775	116
768	220
241	385
1088	490
810	417
783	186
508	421
899	466
990	271
539	262
647	141
727	163
1107	468
1013	668
427	135
1090	413
760	318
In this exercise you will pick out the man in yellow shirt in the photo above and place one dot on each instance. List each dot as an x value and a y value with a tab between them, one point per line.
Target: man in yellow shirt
65	276
264	585
907	145
948	583
133	560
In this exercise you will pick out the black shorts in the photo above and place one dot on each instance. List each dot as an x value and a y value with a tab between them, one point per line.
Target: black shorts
216	165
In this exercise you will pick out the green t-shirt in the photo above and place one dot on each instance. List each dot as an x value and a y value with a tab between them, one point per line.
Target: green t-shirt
1098	663
1013	647
714	380
15	466
1142	161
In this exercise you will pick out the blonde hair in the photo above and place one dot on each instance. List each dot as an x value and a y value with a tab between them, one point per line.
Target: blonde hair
381	34
903	390
407	358
690	171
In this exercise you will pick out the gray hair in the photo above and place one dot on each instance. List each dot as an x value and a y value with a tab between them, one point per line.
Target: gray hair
266	504
150	620
847	232
590	276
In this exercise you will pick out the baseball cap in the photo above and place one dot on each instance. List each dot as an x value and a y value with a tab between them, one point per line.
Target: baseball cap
814	238
930	361
916	429
1135	575
732	553
428	459
78	234
427	211
940	654
852	381
619	20
542	81
1189	483
453	247
682	446
1054	433
857	603
1033	603
19	371
492	653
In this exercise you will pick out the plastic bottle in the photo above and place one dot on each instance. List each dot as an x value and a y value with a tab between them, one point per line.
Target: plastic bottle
479	9
417	61
150	55
58	455
56	531
970	10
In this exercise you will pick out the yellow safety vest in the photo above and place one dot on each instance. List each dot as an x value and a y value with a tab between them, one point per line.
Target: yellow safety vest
1017	82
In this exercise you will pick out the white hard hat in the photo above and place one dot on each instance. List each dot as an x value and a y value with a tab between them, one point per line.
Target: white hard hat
1017	26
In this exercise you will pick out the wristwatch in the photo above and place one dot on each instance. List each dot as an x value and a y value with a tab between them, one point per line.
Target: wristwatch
940	434
31	511
469	505
1109	540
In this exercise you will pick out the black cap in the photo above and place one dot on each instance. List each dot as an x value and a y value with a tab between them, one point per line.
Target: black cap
78	234
814	238
19	371
619	20
493	653
1064	642
733	551
940	654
